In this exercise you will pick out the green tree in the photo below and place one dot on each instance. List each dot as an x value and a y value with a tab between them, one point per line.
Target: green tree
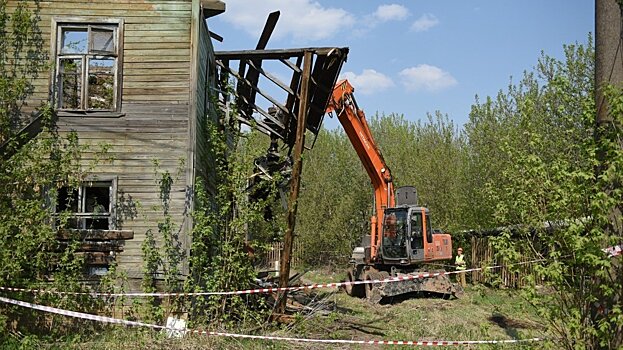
335	201
30	253
538	138
220	258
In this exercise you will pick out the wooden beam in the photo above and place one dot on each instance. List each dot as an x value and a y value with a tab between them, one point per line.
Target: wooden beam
272	54
14	144
284	268
95	235
97	258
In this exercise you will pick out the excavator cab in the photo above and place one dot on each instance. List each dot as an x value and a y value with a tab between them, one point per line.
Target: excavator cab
408	237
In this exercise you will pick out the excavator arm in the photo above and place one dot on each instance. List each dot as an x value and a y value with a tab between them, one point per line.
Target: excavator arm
353	120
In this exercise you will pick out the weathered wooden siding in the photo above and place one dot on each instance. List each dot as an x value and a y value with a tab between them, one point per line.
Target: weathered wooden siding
156	40
204	106
155	105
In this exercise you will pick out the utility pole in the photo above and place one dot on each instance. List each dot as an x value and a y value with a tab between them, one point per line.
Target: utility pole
608	71
608	52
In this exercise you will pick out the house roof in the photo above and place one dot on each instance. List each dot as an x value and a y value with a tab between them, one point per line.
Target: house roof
253	80
212	8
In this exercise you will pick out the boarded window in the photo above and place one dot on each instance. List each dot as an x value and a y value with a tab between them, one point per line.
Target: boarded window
87	64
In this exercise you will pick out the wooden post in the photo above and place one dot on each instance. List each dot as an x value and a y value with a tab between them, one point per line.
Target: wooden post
284	268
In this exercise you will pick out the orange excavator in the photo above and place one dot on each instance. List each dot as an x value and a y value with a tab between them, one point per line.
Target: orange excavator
401	240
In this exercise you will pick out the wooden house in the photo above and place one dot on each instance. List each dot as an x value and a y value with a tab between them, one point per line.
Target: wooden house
136	77
141	79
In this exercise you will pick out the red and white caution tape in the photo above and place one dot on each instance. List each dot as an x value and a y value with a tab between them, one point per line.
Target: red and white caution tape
265	290
614	251
105	319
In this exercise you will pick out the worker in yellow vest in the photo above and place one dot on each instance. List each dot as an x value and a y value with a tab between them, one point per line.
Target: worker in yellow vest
459	261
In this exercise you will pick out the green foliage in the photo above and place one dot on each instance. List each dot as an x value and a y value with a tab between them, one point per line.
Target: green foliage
30	254
223	216
163	254
428	155
334	202
544	172
22	58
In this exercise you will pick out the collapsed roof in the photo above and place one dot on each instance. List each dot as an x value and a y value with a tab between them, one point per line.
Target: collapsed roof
251	77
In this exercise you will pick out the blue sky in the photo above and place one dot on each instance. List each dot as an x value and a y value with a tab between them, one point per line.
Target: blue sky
417	57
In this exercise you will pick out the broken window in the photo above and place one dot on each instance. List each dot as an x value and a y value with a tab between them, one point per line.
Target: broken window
87	61
90	206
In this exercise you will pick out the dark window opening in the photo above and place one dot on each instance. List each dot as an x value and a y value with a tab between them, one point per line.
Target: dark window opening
86	207
429	230
417	230
395	235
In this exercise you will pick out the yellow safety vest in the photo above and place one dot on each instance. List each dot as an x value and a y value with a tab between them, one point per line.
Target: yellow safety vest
460	262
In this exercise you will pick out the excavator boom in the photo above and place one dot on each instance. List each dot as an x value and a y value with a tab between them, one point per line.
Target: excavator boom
353	120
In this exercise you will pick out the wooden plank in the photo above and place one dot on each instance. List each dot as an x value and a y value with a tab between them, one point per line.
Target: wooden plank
157	78
96	258
154	65
157	27
156	90
130	170
94	235
96	16
157	71
130	5
139	185
158	52
96	246
153	194
153	123
122	155
156	109
179	98
167	85
180	37
146	116
146	136
115	143
151	58
105	10
180	33
172	44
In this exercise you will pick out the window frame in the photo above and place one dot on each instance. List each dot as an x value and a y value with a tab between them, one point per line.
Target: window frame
81	216
61	23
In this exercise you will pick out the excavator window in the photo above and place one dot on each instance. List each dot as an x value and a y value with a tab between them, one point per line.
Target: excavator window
417	237
395	235
429	230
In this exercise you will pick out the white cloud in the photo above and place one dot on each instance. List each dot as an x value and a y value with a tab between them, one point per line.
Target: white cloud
368	82
426	77
424	23
301	19
393	12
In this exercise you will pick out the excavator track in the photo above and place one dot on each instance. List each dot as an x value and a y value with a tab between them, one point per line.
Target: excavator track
440	285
